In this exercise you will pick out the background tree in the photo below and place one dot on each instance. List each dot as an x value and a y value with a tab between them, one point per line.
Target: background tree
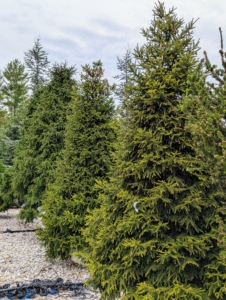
14	98
206	119
14	90
123	65
42	139
36	61
2	169
85	159
154	235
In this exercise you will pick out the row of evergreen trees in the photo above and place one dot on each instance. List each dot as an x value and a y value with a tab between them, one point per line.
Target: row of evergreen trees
17	83
137	194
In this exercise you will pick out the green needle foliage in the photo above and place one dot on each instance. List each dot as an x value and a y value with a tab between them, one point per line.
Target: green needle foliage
85	159
14	89
2	170
42	139
154	235
206	114
6	192
36	61
206	119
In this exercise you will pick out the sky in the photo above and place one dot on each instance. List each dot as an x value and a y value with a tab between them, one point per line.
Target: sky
83	31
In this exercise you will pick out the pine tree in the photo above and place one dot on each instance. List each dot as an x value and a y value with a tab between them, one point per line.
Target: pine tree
36	61
154	235
42	139
84	160
14	89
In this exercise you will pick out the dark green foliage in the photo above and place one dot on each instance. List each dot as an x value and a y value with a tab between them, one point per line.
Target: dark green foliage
155	233
10	127
14	89
8	141
42	139
6	192
84	160
36	61
123	65
3	121
9	137
2	169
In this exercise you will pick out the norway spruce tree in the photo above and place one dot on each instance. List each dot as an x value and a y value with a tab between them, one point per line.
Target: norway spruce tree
206	115
36	61
14	89
85	159
123	67
155	233
42	139
206	119
2	170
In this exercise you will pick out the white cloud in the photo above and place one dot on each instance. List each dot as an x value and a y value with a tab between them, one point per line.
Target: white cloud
85	30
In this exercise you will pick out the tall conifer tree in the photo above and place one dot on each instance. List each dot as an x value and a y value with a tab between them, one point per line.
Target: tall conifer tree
42	139
84	160
205	108
123	65
14	89
153	236
36	61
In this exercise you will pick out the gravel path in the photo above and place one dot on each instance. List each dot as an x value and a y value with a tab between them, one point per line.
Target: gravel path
22	260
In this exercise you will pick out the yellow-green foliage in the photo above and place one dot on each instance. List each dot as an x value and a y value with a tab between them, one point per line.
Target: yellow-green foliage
155	233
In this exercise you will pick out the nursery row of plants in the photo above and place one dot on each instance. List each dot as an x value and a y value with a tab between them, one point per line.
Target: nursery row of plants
138	192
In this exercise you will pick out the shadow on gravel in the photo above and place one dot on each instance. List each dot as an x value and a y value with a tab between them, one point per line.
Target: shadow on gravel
6	217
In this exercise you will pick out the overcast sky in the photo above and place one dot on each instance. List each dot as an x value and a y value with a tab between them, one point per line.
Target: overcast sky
82	31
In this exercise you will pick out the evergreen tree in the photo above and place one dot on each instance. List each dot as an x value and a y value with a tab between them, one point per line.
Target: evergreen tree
206	114
6	193
2	169
123	65
10	132
1	95
154	235
14	89
2	118
9	139
42	139
206	119
36	61
84	160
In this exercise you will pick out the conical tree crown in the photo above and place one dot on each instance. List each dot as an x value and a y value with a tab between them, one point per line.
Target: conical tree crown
153	236
84	160
42	138
36	61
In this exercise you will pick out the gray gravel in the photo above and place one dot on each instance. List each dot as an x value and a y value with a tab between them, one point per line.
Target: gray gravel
22	259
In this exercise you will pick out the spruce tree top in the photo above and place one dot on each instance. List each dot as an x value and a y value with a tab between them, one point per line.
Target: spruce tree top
36	60
157	82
